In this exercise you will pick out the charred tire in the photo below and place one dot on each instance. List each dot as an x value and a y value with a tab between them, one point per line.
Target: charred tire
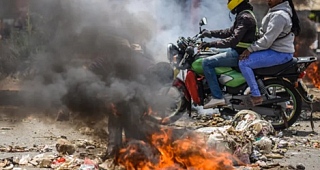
296	98
174	116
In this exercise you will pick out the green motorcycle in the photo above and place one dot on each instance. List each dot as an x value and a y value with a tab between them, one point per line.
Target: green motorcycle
281	85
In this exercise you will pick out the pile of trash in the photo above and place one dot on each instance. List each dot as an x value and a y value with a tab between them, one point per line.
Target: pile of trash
214	120
252	140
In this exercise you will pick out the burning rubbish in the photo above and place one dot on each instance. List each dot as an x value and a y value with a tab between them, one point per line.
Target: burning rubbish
247	132
163	152
246	142
249	141
313	74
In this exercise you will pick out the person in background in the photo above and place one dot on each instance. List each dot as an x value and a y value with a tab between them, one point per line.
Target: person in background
275	46
234	40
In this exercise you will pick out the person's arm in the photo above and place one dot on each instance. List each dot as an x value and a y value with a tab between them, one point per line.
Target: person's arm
240	29
275	27
221	33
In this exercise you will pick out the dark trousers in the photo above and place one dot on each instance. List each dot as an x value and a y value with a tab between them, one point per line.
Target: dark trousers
127	119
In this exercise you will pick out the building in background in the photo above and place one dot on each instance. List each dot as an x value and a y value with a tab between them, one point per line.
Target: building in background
312	11
13	14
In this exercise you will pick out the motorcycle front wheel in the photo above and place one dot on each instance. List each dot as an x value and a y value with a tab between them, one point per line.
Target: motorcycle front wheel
171	106
289	109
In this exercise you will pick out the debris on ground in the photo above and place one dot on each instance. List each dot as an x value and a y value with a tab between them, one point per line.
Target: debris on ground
249	138
65	147
252	140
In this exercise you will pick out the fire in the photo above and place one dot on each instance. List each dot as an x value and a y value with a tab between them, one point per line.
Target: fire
164	120
313	73
150	111
165	152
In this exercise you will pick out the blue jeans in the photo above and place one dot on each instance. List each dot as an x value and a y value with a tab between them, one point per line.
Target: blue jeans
226	58
265	58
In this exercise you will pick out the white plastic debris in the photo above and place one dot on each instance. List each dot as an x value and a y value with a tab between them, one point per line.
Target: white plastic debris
264	145
24	160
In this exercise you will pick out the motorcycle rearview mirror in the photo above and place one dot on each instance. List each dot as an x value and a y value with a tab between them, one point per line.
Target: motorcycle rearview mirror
203	21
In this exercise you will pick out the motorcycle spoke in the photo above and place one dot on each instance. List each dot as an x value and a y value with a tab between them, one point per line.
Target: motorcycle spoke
282	98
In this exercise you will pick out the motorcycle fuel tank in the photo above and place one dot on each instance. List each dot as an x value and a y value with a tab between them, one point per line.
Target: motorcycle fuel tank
228	76
232	79
197	67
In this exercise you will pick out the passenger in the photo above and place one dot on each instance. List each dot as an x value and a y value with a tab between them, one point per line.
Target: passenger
235	39
275	46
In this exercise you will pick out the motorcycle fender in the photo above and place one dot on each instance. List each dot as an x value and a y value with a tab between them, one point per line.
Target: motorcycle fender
192	86
180	85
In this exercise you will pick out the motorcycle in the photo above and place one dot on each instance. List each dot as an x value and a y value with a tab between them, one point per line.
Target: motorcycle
281	86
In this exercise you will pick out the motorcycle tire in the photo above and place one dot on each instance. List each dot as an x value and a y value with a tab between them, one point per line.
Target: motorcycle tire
296	98
175	115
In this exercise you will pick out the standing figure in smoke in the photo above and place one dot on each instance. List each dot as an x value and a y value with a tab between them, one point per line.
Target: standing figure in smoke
275	47
142	77
234	40
123	114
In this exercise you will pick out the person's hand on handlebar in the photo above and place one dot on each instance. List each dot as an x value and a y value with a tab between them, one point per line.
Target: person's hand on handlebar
205	33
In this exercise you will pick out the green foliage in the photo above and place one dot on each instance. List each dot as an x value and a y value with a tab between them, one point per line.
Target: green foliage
14	51
17	51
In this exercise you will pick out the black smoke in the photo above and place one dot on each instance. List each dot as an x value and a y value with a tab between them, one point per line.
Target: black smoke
80	59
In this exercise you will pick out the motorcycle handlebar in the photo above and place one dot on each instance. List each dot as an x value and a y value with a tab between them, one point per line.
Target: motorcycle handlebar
194	39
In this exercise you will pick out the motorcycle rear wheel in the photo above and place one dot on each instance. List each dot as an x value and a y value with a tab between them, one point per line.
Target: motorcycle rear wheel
291	108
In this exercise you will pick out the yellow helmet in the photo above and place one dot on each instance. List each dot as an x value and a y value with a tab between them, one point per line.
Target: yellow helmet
233	4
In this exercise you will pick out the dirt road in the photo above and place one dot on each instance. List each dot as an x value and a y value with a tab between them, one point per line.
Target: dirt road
32	129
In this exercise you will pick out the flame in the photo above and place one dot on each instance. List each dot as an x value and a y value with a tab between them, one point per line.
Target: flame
313	73
164	120
163	152
151	112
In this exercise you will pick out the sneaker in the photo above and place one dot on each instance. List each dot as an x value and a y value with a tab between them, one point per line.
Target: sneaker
214	102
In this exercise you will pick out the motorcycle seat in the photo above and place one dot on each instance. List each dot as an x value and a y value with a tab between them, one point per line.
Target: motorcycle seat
274	70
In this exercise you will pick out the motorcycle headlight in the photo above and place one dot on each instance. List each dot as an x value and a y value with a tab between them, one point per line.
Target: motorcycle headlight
182	43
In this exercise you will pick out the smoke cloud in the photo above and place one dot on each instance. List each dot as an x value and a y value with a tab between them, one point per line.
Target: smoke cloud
97	34
81	55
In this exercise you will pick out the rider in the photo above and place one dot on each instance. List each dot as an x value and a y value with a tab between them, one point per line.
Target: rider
275	46
236	39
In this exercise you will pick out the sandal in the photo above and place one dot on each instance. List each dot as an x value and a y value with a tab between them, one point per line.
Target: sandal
256	100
